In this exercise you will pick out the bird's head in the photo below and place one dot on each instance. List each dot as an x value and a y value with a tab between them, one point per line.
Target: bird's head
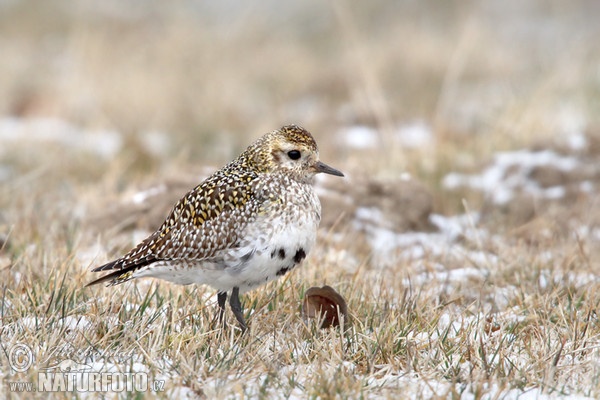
291	149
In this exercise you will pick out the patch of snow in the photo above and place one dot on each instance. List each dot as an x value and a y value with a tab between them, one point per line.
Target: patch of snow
554	192
457	275
501	297
577	279
479	257
454	227
359	137
76	322
179	392
414	135
535	394
27	322
141	196
543	280
456	240
529	159
577	141
510	172
562	278
127	367
104	143
411	385
462	274
370	215
70	322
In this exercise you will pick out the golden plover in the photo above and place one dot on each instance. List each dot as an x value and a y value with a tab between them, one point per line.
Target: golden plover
250	222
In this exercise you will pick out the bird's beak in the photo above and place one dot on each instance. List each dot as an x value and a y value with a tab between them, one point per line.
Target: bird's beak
326	169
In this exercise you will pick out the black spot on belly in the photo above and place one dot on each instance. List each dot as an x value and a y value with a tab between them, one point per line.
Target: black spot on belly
281	254
282	271
273	254
300	255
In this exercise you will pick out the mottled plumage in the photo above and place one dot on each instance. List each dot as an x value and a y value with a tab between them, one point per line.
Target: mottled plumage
250	222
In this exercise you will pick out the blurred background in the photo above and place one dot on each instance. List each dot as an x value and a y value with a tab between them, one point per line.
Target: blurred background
465	236
197	77
98	97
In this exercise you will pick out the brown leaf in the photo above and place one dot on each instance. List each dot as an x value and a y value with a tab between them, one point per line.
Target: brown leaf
324	303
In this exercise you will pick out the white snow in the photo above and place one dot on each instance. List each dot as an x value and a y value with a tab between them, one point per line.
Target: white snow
104	143
510	173
141	196
577	141
415	134
72	323
389	247
411	135
359	137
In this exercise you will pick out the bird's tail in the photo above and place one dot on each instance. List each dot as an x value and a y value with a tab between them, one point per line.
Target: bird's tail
122	270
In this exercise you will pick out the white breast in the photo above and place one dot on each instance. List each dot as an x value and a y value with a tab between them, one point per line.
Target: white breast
279	244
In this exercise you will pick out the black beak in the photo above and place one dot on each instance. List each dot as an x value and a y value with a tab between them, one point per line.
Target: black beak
326	169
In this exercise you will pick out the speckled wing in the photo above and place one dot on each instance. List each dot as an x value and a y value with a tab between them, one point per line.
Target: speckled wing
206	221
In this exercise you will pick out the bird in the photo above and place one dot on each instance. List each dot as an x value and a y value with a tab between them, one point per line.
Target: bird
250	222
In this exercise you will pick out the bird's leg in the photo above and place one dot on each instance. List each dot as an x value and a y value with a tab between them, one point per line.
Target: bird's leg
236	307
221	299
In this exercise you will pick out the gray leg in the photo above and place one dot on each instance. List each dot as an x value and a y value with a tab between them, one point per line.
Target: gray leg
221	299
236	307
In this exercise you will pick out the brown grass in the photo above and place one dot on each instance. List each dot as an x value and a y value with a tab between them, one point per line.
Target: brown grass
502	310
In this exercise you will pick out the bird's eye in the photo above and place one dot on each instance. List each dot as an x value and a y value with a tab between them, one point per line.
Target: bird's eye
294	154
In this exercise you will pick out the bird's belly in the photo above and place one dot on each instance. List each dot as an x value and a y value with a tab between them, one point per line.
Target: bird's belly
267	250
273	258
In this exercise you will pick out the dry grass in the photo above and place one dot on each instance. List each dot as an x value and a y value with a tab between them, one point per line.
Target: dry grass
500	310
